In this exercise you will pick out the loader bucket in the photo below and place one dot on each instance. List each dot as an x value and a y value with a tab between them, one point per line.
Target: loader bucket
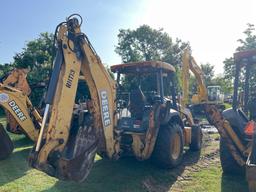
6	145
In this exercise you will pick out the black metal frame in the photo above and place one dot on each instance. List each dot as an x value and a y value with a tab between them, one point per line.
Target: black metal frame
245	60
159	77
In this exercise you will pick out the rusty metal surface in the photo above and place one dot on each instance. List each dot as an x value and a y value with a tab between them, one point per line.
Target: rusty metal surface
145	66
215	117
84	147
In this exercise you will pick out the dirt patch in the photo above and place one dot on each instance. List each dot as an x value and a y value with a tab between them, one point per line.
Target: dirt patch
203	163
192	162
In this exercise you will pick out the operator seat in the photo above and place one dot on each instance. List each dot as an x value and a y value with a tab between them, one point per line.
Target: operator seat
137	103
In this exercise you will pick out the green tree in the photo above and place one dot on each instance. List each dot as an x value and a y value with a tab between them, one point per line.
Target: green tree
145	44
225	84
37	56
5	68
246	43
229	68
250	39
208	71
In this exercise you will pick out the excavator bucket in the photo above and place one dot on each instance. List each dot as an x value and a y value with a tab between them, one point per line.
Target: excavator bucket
6	145
80	150
77	159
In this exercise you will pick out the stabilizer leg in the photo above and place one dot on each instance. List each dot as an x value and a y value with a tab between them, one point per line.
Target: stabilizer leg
6	145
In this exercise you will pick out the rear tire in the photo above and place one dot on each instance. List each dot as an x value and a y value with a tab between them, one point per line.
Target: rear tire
196	138
168	151
6	145
228	163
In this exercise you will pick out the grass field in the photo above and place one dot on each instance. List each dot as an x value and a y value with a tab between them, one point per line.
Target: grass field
125	175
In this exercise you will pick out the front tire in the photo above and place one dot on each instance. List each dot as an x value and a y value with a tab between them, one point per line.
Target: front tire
228	163
168	151
196	138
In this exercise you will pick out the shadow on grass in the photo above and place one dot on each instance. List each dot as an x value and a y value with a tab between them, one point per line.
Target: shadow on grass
127	174
14	167
234	183
22	142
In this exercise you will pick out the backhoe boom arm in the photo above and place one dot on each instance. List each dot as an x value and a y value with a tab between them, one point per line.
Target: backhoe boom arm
68	141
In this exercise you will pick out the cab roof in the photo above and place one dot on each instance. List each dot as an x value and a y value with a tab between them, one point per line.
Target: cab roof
247	56
142	67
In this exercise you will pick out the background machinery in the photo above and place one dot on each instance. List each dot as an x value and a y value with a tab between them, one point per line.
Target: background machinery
211	94
215	94
189	64
17	78
22	117
237	143
243	126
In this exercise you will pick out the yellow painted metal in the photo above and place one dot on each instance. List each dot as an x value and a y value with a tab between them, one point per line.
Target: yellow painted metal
101	87
187	135
234	137
62	108
143	145
17	103
102	91
185	78
188	115
18	78
221	124
189	64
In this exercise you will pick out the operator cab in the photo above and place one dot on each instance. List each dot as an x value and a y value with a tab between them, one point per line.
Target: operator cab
243	104
141	86
215	93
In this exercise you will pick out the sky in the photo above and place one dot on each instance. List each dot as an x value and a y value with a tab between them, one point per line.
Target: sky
211	26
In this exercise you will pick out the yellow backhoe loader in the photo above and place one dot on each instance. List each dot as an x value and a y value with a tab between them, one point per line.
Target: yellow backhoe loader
21	116
17	79
145	125
112	123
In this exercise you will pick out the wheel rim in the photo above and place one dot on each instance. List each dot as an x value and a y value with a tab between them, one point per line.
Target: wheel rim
175	147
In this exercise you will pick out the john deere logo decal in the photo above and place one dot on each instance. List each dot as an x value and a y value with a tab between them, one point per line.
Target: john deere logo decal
17	110
105	108
4	97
